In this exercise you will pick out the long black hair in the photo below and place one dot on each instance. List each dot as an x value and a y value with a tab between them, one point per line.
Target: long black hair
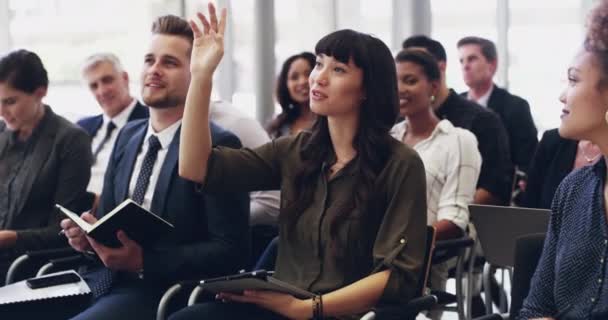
291	110
378	113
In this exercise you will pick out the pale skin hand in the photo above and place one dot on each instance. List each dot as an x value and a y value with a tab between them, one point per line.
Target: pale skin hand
129	257
207	52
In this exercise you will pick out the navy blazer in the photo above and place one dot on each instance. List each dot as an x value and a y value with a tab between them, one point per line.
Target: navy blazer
92	124
211	235
515	114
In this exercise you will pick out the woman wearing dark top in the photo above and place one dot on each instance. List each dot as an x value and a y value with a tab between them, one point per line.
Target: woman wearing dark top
554	159
44	159
293	95
570	281
353	211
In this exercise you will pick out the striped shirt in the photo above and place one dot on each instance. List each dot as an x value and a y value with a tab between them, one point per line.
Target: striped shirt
452	163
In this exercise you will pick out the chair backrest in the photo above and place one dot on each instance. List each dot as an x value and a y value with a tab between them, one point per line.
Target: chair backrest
528	249
498	227
428	254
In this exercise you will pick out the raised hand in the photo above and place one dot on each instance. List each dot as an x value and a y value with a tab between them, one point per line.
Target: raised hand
208	45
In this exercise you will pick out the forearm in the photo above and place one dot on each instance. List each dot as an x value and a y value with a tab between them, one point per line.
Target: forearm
483	196
357	297
446	229
195	137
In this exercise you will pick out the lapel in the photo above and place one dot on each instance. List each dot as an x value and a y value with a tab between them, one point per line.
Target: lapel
95	125
165	177
496	99
131	150
39	157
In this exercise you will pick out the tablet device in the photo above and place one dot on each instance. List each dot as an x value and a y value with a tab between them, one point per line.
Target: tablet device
255	280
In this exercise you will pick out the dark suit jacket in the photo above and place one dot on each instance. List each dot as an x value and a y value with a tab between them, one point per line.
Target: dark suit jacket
58	171
515	114
552	162
211	235
92	124
496	173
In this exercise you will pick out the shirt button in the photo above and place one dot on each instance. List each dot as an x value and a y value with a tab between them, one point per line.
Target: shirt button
599	280
592	299
606	242
601	260
402	241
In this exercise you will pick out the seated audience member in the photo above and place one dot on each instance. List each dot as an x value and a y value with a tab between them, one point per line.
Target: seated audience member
211	230
353	214
450	156
109	84
495	178
264	205
44	160
293	95
479	61
570	280
554	159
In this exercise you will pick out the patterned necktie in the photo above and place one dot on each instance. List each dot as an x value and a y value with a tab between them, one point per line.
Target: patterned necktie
146	170
109	129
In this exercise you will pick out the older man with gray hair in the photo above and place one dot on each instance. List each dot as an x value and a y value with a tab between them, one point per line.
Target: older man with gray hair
109	84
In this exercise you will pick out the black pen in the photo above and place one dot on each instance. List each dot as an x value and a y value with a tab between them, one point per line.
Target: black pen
562	313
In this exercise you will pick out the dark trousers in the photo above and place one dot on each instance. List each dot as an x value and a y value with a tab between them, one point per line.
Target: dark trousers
225	311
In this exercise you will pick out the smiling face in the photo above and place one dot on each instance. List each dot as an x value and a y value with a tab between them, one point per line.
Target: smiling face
297	81
415	89
583	115
166	72
336	88
20	110
109	86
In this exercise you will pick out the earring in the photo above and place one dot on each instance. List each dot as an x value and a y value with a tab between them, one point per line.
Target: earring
433	99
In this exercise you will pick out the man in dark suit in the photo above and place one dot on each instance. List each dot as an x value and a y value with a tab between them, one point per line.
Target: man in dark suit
211	230
478	59
109	84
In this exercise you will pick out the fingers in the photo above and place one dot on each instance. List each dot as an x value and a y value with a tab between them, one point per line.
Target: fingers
88	217
67	223
195	29
222	26
204	21
124	239
212	16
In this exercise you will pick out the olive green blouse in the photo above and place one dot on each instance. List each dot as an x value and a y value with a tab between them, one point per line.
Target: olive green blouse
307	259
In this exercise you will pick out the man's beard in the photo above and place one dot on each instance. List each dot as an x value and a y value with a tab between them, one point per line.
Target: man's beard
164	102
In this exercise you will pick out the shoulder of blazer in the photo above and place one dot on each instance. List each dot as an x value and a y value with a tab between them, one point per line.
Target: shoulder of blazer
223	137
139	112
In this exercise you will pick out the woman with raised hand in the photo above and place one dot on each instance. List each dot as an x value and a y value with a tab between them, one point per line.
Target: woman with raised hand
293	96
570	281
353	212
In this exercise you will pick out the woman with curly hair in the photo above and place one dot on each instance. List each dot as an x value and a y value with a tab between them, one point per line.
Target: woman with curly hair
571	279
293	95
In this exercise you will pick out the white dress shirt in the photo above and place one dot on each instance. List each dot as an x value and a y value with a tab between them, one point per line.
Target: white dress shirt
164	137
98	169
452	163
483	100
264	206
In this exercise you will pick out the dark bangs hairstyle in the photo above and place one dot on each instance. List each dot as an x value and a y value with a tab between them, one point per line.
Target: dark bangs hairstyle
290	110
378	113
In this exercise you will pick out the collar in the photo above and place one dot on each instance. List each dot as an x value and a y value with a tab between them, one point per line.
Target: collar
443	127
165	136
483	100
122	117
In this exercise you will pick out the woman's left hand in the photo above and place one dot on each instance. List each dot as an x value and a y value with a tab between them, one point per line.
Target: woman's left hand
281	303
